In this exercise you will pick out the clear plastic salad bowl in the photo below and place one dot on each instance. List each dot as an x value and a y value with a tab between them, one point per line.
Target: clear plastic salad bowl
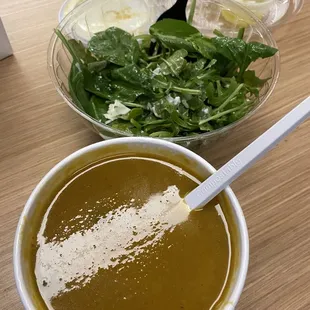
95	15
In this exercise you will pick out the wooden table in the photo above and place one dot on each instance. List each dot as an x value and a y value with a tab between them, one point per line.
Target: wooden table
37	130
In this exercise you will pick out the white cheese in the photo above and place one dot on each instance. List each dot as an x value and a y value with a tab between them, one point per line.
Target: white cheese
172	100
115	110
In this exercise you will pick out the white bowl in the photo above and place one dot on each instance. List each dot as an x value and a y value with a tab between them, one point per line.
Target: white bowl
57	175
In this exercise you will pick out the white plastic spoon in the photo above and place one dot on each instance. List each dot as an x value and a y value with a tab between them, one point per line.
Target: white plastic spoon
207	190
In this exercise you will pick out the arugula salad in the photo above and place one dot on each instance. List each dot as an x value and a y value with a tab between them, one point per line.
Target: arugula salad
171	82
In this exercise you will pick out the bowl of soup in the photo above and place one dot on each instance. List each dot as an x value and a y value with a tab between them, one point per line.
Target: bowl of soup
104	230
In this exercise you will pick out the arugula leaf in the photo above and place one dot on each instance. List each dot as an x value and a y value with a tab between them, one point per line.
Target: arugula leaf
231	48
193	68
126	126
240	52
163	108
254	51
161	81
204	46
133	114
220	99
186	125
174	64
195	103
115	45
250	78
161	134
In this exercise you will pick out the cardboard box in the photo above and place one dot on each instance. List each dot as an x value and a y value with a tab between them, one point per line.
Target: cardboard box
5	46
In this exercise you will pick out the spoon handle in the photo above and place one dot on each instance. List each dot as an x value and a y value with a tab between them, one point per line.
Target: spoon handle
247	157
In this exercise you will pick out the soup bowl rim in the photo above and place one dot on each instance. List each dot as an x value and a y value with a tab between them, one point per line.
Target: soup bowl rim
18	261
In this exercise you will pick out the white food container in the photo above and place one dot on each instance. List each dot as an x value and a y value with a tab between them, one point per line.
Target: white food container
5	46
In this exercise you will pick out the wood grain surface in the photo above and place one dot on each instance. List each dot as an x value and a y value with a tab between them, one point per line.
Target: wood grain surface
37	130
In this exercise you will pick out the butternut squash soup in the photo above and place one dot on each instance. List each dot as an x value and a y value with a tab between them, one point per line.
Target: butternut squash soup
116	235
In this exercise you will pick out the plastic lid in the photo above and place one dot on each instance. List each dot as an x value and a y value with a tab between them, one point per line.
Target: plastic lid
271	12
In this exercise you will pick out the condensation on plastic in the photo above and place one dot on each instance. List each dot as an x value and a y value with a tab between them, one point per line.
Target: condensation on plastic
209	15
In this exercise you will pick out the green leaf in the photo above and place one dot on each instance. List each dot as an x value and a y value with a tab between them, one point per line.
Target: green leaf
103	87
79	95
240	52
125	126
132	74
174	64
83	96
125	92
206	127
100	107
195	103
167	125
151	119
97	66
136	124
133	114
254	51
201	114
81	52
97	84
163	108
250	78
182	123
161	134
227	93
192	69
231	48
72	84
204	46
240	33
115	45
161	81
222	117
144	40
208	75
76	58
192	12
257	50
174	33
